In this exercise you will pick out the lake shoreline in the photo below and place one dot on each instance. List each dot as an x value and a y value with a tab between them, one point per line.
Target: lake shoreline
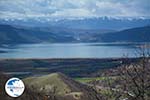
102	58
71	51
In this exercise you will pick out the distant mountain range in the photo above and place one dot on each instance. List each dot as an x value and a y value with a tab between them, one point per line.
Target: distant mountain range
117	23
17	34
104	23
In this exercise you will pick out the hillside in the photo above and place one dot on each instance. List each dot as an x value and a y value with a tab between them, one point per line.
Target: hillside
27	95
61	86
141	34
14	35
41	88
21	35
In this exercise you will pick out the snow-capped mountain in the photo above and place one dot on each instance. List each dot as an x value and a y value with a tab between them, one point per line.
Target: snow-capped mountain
115	23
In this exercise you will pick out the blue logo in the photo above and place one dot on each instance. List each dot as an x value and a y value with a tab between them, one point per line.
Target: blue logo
14	87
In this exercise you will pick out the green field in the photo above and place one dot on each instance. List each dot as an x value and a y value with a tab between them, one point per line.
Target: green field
86	79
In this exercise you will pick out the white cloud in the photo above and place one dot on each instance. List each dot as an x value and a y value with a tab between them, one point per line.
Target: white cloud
73	8
73	13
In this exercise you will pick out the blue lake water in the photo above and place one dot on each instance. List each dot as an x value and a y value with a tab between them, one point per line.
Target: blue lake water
69	50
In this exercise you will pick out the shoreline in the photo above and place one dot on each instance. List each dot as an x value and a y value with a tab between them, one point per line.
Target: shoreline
109	58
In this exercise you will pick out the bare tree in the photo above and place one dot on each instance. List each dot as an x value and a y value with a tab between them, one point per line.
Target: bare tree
135	77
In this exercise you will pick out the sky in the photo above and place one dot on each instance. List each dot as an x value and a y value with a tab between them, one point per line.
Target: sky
22	9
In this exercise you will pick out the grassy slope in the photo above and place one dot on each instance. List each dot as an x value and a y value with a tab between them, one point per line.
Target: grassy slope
47	83
65	86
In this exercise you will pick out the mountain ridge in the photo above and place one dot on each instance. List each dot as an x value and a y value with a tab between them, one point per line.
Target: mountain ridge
138	34
19	35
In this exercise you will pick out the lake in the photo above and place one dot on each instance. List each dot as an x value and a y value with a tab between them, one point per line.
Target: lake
69	50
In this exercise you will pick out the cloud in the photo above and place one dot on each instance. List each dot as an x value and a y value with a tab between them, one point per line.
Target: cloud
73	8
73	13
